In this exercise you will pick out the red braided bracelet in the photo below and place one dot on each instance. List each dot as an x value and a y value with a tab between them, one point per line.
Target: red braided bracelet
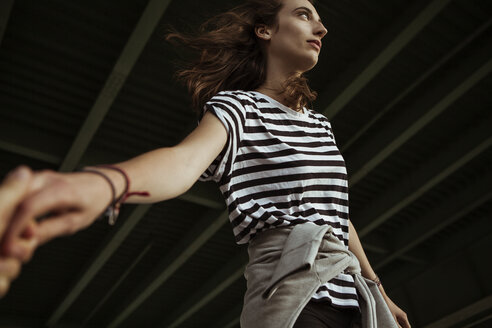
113	189
113	209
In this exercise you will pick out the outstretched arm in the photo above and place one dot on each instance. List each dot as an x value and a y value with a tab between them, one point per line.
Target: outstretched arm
169	172
75	200
356	247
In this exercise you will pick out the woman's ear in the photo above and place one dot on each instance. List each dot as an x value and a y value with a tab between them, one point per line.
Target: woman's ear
263	32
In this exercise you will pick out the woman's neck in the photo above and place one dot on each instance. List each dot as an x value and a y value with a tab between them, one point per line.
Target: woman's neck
277	73
277	92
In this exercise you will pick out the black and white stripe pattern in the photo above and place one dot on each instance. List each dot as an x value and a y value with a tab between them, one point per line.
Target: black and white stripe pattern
281	167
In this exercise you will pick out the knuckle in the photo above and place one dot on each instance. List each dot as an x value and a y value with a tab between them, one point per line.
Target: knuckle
4	285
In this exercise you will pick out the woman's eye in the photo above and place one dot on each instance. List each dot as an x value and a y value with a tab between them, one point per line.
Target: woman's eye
305	15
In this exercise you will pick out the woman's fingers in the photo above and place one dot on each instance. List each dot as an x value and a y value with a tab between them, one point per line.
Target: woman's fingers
403	320
60	203
9	270
4	285
12	190
9	267
55	196
60	225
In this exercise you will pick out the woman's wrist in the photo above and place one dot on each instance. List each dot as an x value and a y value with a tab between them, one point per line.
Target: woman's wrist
115	177
120	192
376	280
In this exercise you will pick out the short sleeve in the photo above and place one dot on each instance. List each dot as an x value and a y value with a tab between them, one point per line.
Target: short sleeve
229	109
327	125
330	131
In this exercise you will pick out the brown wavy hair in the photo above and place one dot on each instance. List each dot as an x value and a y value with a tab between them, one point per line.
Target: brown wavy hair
231	57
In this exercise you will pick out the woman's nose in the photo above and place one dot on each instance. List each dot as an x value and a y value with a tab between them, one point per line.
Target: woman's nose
321	30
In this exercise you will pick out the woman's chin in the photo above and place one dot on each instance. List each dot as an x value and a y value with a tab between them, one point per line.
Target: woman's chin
309	63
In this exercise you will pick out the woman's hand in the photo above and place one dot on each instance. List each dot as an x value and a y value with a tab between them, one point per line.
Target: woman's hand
65	202
399	315
12	191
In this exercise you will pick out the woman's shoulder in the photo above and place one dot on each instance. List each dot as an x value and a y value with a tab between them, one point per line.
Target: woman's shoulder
236	94
238	97
318	116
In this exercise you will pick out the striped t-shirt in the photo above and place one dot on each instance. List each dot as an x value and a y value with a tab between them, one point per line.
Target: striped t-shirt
280	167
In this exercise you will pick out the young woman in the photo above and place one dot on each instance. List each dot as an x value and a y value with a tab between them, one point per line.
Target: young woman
275	160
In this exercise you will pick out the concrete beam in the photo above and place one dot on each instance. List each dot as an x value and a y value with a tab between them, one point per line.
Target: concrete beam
483	305
29	153
131	52
220	281
369	65
445	163
435	220
100	259
422	112
195	239
122	278
206	194
231	318
452	246
415	84
5	10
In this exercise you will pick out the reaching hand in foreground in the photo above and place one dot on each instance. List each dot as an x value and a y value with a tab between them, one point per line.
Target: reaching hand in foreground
12	191
68	202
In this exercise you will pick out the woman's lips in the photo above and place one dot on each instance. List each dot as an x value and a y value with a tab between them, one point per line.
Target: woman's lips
315	43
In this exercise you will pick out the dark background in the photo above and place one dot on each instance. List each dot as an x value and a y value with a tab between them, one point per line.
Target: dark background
406	85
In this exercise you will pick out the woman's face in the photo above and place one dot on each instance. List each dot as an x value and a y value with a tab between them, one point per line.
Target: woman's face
295	42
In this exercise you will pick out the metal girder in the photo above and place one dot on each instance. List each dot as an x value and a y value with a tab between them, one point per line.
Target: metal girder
18	321
370	247
5	10
101	258
454	246
231	318
110	292
439	218
451	320
132	50
205	194
415	84
195	239
417	183
369	65
421	113
30	153
231	272
463	239
234	322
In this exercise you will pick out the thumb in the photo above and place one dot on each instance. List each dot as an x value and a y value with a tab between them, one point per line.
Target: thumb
12	191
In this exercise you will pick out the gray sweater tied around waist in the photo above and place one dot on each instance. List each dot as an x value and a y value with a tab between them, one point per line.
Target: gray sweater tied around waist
286	267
